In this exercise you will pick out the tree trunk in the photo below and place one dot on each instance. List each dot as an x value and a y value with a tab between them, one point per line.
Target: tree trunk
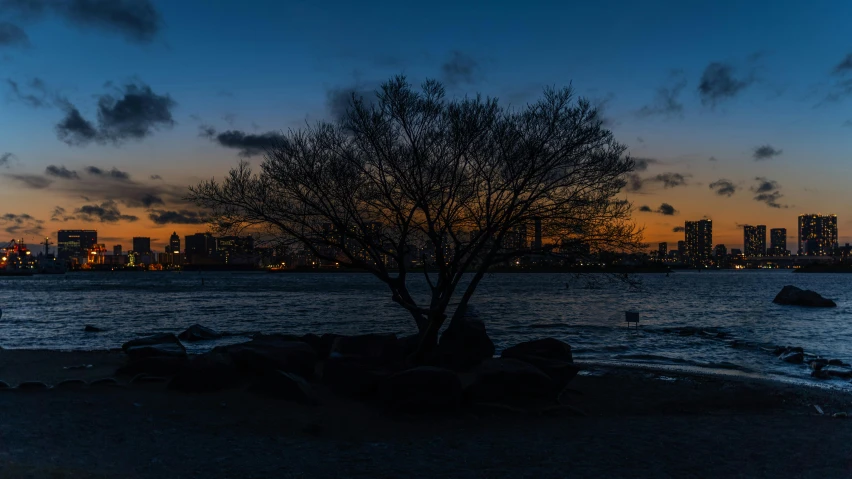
428	338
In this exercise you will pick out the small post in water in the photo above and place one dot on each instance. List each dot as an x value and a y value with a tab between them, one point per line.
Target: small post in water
631	317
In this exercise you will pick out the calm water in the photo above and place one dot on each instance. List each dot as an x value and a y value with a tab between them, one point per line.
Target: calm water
50	312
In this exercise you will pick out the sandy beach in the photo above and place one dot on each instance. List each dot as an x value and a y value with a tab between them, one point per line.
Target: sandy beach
637	423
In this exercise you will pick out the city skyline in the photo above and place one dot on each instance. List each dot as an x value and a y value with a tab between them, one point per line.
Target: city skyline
724	129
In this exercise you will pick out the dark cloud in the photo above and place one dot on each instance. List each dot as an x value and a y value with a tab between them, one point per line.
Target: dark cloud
678	229
6	159
664	209
181	217
601	106
148	200
136	20
838	91
58	214
713	158
106	212
32	181
75	130
230	118
640	139
16	224
669	180
723	187
38	95
156	177
11	35
113	174
666	102
61	172
765	152
338	101
718	83
845	66
248	144
134	113
460	69
768	192
642	164
634	182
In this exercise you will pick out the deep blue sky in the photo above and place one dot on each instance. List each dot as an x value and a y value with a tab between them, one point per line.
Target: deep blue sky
772	73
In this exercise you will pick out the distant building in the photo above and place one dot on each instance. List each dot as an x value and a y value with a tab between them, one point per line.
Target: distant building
681	251
174	244
720	253
778	242
75	244
754	241
116	250
537	236
235	249
662	250
199	247
736	252
699	243
142	245
817	234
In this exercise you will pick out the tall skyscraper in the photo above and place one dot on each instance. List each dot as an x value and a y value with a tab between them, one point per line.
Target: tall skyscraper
198	246
141	245
754	241
681	251
174	243
817	234
778	242
699	243
662	250
116	250
75	243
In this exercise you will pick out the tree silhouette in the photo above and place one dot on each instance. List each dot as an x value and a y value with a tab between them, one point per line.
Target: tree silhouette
415	176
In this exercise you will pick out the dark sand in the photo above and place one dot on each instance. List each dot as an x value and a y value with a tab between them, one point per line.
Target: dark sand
638	425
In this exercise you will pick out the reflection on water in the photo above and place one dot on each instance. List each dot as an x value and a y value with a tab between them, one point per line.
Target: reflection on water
731	312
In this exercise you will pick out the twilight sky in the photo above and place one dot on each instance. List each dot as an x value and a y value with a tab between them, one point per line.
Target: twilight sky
737	111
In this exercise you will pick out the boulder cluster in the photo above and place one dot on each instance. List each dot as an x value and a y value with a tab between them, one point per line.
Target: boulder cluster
462	370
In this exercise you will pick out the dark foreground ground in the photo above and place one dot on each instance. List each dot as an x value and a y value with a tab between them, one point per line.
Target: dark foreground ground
638	424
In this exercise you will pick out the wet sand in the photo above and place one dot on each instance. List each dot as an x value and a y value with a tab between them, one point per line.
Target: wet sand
638	423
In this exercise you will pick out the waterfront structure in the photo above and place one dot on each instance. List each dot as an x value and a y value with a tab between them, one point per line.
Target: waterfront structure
754	241
778	242
699	243
116	250
199	247
142	245
817	234
174	244
75	244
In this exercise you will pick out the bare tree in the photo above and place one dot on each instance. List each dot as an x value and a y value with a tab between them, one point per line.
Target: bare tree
415	171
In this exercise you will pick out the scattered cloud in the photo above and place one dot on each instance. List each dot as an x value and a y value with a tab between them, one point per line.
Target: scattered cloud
11	35
6	159
136	20
678	229
642	164
460	69
713	158
248	144
106	212
719	83
135	112
664	209
669	180
34	93
230	118
181	217
113	174
666	102
17	224
61	172
765	152
845	66
58	214
768	192
338	101
32	181
156	177
640	139
723	187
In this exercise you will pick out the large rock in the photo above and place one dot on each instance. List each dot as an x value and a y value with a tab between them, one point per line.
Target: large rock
153	365
197	332
260	356
378	348
502	380
551	356
794	357
321	344
791	295
282	385
422	389
353	376
463	345
212	371
166	344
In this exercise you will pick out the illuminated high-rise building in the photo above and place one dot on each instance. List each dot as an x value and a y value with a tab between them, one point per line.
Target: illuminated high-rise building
174	243
199	246
754	241
817	234
778	242
75	243
142	245
699	243
662	250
